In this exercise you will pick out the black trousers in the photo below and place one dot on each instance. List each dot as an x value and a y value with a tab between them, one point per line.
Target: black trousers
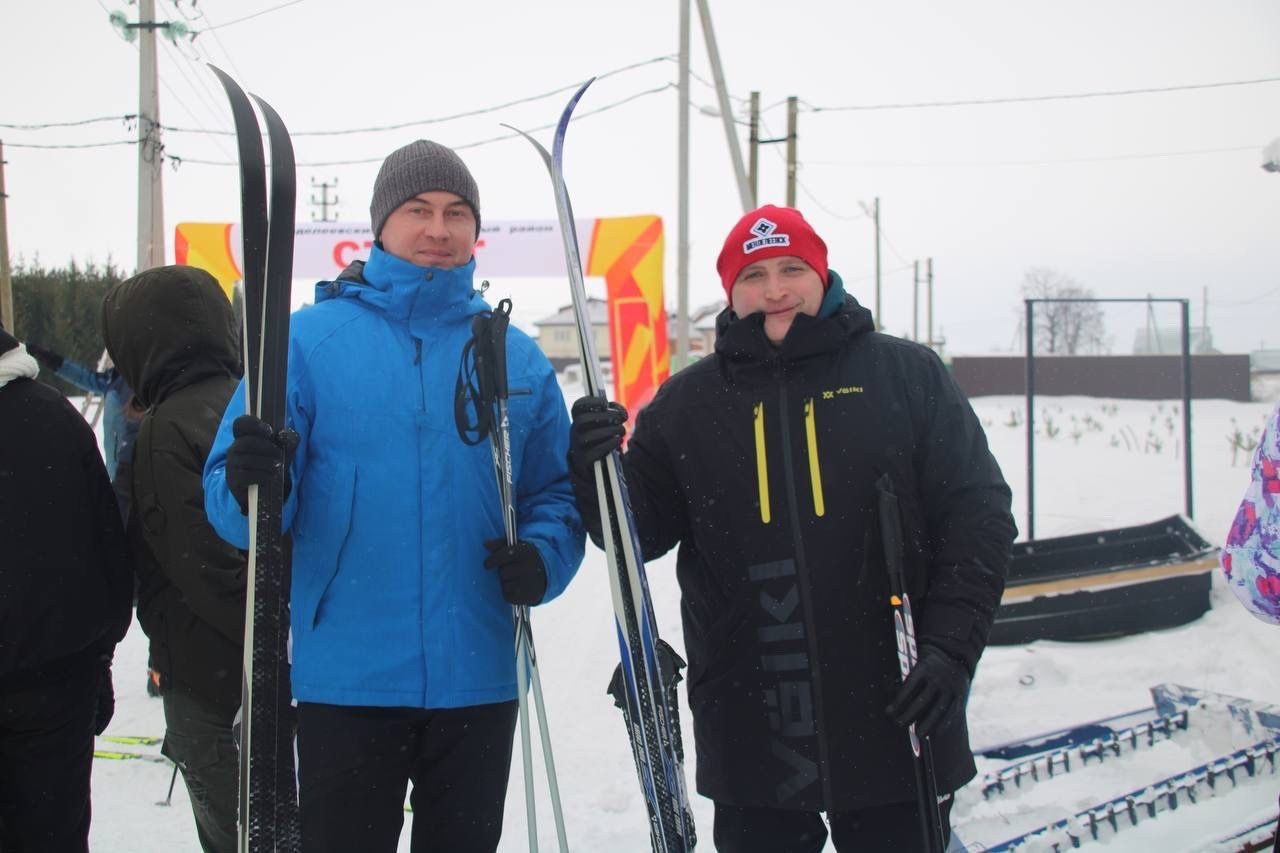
354	765
198	739
46	758
894	827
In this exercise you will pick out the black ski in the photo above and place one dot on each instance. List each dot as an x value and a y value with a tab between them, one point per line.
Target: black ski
268	819
904	628
644	685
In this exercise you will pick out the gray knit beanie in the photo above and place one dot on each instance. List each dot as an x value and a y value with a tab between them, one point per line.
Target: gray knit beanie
420	167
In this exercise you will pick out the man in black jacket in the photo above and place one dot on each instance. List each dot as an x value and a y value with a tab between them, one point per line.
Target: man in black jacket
172	334
65	593
766	465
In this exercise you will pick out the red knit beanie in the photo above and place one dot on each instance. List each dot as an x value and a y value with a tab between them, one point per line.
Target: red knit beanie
770	232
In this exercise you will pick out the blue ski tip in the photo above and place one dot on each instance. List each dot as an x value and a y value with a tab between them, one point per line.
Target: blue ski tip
558	147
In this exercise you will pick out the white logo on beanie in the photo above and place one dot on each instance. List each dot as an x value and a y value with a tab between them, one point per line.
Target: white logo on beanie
763	229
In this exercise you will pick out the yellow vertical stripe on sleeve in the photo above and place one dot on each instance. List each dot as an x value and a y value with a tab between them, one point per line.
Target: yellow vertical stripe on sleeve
762	465
815	473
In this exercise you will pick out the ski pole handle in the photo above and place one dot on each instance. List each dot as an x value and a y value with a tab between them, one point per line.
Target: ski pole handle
497	348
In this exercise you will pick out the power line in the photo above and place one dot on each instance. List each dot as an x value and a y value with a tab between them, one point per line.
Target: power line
70	146
79	123
475	144
213	29
248	17
808	192
375	128
1104	158
883	273
976	102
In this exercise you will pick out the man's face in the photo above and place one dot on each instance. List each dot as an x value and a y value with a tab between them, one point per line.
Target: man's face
432	229
781	287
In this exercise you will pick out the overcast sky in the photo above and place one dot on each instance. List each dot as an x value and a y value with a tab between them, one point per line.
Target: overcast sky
1157	193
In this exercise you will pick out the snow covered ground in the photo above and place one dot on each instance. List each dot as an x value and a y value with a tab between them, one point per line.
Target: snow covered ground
1100	463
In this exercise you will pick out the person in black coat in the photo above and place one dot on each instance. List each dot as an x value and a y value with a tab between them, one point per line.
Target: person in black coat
66	589
172	334
766	464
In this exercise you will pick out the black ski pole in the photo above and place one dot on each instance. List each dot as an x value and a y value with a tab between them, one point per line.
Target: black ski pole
931	830
489	394
169	797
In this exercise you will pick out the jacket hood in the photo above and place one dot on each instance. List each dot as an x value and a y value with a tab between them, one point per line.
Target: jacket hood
426	298
742	339
168	328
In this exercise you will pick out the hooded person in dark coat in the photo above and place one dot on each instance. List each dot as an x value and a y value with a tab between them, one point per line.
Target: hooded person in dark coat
172	334
65	595
766	465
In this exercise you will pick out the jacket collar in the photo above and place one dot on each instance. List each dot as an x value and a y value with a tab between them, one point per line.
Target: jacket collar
741	340
426	298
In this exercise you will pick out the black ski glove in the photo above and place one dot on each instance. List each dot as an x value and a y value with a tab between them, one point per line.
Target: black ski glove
597	430
933	694
106	699
520	568
47	357
254	457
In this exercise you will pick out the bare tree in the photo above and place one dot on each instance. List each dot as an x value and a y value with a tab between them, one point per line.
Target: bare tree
1063	328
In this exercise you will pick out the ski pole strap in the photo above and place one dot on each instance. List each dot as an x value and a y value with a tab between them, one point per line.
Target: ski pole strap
471	414
482	374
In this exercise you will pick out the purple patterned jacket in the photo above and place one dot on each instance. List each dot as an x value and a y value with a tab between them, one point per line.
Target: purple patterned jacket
1251	556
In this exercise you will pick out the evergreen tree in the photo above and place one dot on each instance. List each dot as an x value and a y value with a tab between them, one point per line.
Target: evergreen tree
60	308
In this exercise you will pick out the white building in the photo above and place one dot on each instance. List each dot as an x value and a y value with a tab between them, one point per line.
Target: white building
558	337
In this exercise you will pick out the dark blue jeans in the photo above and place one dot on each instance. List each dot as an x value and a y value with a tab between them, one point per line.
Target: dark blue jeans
198	739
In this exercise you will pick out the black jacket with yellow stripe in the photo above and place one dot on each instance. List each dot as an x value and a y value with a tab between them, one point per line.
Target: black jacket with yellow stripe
761	464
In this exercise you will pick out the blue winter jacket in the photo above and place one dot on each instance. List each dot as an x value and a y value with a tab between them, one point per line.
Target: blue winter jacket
391	603
118	431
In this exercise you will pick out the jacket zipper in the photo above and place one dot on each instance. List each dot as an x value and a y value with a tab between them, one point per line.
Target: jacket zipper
422	545
762	465
806	592
815	472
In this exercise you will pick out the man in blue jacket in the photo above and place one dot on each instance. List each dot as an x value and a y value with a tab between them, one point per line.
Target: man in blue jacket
121	415
403	661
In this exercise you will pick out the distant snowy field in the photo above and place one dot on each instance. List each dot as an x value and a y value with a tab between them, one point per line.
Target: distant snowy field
1100	463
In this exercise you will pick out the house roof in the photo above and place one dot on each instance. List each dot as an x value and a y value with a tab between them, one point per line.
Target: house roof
597	310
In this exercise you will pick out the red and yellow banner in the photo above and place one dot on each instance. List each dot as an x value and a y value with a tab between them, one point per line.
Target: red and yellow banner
626	251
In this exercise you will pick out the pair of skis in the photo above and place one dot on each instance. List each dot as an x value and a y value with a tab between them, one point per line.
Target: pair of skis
268	819
649	671
482	384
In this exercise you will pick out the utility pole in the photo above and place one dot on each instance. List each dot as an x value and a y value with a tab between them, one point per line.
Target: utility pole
929	279
1204	318
6	286
150	148
324	202
915	300
753	158
875	217
682	196
792	110
726	112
